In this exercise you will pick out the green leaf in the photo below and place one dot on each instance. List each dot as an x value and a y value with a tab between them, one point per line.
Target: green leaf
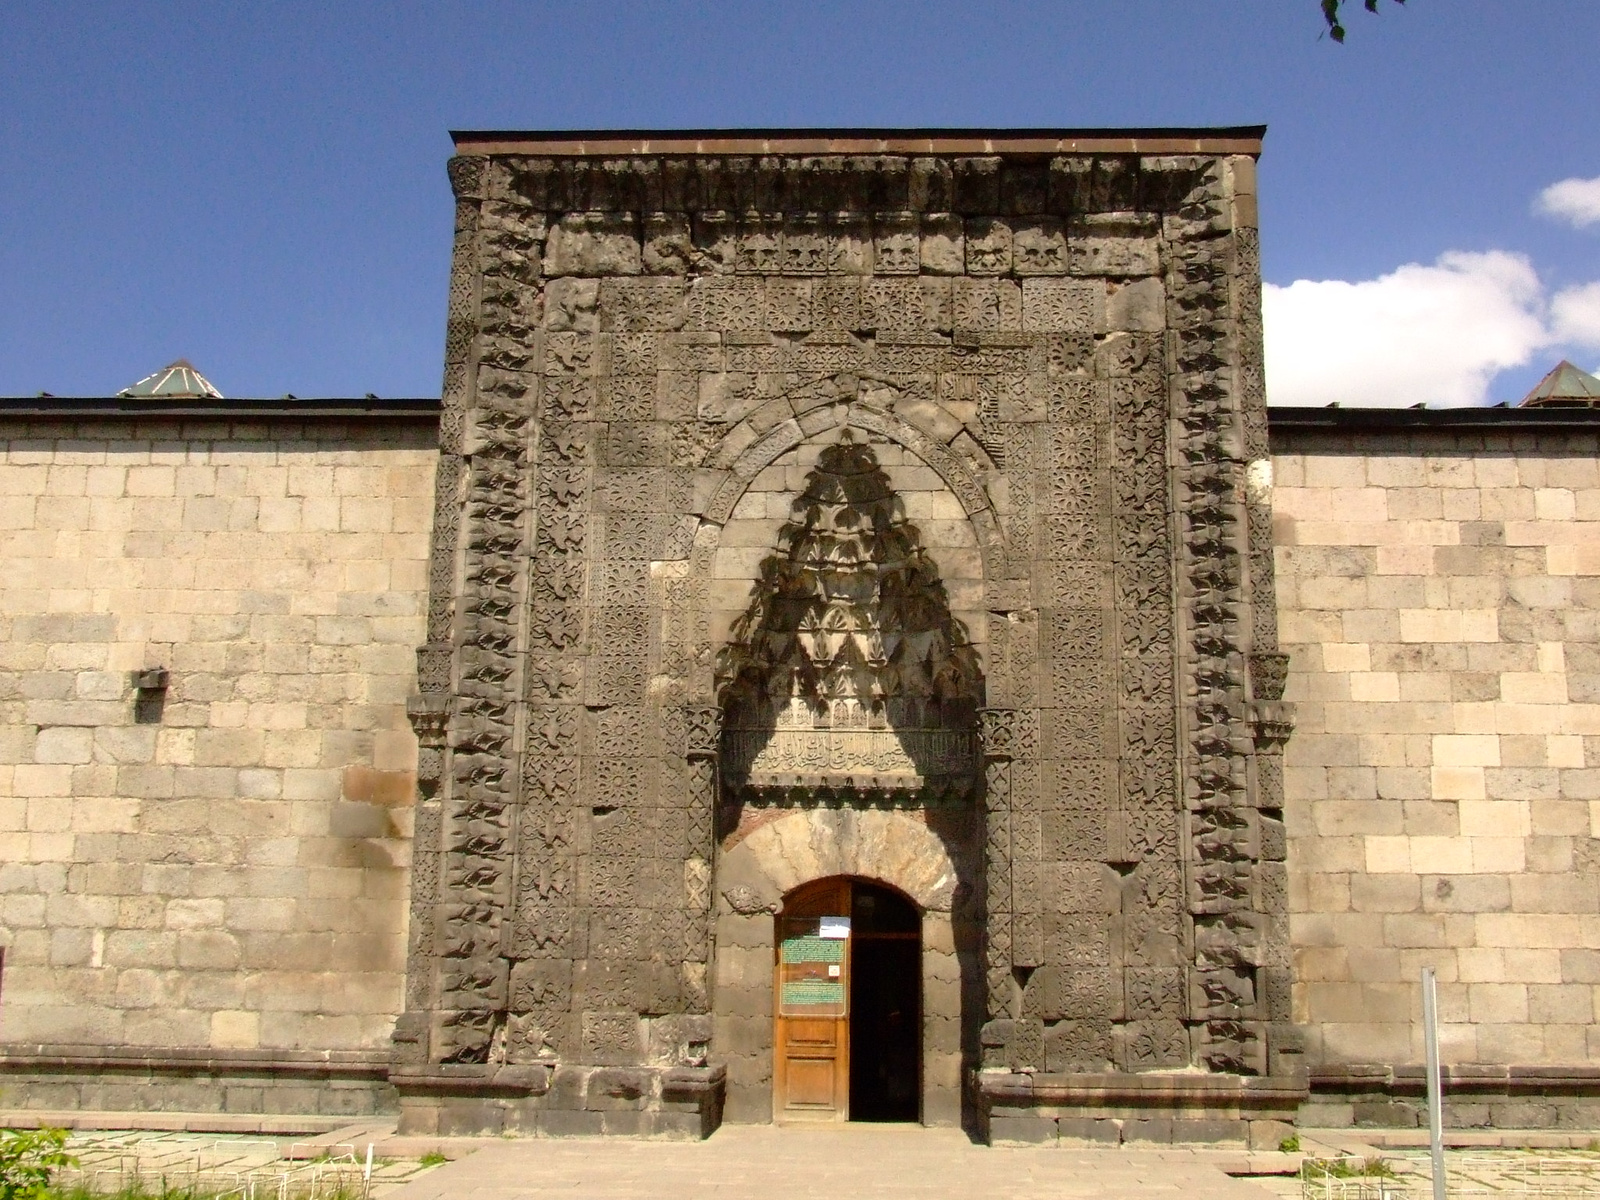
29	1158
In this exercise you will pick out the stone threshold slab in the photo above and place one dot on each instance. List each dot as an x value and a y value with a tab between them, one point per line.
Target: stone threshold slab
1365	1141
274	1124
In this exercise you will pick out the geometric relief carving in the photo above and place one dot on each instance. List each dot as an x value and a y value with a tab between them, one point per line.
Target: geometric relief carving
1078	1046
1009	733
1000	954
1076	832
610	1037
1132	886
1153	978
1077	939
848	668
1154	1044
1076	635
1230	936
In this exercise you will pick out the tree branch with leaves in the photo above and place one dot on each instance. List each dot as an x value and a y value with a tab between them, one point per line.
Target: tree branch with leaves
1330	14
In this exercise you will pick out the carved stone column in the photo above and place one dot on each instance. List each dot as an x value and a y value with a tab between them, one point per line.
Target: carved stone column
430	710
702	742
1011	1039
997	730
1236	892
429	713
1272	721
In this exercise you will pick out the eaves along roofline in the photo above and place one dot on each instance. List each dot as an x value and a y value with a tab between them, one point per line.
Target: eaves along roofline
1547	419
1228	139
1553	419
124	407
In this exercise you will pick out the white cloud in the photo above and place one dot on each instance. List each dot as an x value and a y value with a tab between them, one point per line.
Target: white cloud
1420	334
1576	201
1575	315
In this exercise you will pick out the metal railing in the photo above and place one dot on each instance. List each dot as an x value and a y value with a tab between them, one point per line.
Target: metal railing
1470	1173
335	1173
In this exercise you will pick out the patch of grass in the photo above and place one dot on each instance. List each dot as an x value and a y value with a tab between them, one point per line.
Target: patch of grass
161	1189
434	1157
1348	1168
1290	1144
140	1189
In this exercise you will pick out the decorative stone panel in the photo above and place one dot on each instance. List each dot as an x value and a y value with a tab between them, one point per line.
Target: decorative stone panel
667	366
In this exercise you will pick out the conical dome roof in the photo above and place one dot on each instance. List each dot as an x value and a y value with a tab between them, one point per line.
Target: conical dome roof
175	381
1565	384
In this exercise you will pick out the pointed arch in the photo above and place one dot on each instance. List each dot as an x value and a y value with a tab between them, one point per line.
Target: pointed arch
872	406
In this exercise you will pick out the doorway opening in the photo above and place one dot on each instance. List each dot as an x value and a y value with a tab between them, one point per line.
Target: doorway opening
848	999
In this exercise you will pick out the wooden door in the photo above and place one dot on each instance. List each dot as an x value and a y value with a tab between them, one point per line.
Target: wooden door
811	1003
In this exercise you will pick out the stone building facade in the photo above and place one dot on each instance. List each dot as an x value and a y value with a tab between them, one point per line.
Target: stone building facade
1057	347
890	514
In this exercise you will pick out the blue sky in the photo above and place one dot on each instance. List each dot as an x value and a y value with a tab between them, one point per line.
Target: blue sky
261	188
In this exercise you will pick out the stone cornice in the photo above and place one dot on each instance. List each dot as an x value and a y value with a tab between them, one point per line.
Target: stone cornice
125	407
1550	419
1241	139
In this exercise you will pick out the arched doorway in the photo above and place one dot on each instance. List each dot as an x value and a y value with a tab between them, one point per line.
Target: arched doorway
849	684
847	1004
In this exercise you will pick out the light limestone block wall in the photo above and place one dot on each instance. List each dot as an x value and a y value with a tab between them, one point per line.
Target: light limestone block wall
235	875
1442	607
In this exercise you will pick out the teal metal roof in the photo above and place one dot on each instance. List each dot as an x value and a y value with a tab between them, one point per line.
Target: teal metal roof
1565	384
175	381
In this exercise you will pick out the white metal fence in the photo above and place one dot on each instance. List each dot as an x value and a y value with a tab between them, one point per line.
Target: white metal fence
1467	1174
228	1169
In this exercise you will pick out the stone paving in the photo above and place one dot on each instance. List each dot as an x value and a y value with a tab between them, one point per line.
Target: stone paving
775	1164
805	1164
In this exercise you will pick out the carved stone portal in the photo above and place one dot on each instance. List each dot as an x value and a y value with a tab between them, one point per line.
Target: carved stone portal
1065	346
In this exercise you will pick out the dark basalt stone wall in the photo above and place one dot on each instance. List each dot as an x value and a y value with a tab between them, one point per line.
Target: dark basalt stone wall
1072	344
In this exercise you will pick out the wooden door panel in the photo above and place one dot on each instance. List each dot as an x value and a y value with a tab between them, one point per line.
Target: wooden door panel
809	1034
811	1083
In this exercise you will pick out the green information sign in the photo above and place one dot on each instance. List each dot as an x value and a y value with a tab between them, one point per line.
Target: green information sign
807	993
808	949
813	961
